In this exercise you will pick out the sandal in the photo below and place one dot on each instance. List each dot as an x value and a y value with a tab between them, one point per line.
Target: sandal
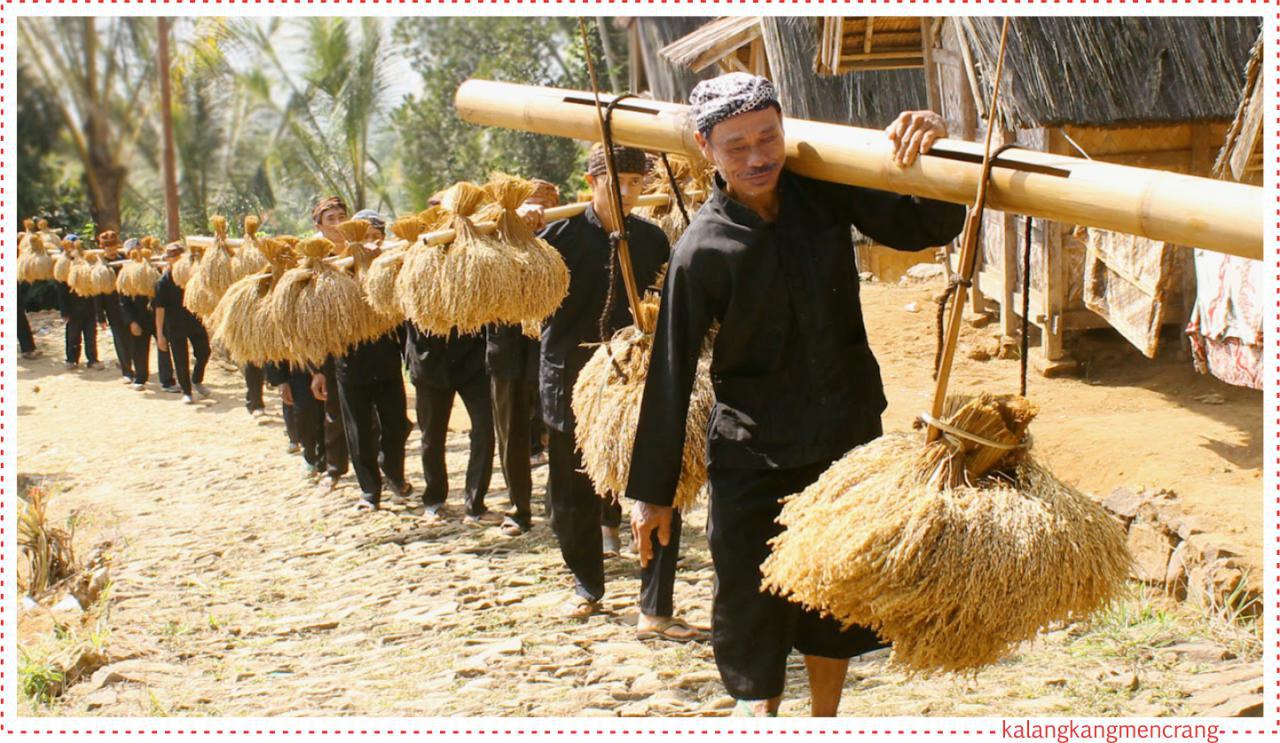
579	607
513	528
673	630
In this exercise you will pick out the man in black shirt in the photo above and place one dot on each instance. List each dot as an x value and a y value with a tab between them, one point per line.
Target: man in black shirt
109	241
313	402
576	508
140	322
770	258
178	332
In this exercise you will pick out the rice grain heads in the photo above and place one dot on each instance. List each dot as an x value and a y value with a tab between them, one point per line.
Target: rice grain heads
694	180
80	277
242	323
62	264
606	403
249	258
956	576
212	276
379	281
465	285
34	262
138	277
319	309
183	268
545	276
103	276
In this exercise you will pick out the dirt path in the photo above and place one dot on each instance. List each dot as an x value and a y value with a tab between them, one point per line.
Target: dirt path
240	591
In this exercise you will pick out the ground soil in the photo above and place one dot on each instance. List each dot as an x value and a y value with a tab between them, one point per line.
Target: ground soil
238	590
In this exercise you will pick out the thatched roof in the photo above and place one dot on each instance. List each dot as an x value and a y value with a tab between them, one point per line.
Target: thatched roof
712	42
871	99
667	82
862	43
1107	71
1241	156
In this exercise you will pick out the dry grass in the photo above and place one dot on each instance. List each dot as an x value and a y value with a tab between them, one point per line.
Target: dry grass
465	285
62	264
80	277
46	552
954	576
242	322
379	283
695	183
103	277
34	262
211	278
545	281
319	309
606	403
249	259
184	268
138	277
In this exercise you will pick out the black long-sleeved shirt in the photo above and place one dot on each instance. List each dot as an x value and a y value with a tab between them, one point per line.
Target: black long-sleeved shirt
71	304
138	309
510	354
794	379
377	360
178	320
584	244
452	362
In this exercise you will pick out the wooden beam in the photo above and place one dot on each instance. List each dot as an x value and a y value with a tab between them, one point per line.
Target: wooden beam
932	92
903	54
866	35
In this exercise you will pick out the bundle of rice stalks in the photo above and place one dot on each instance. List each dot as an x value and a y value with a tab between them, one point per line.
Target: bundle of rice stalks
249	258
62	264
319	309
379	281
103	277
138	277
46	556
214	274
470	283
48	235
434	218
606	403
34	262
242	322
546	278
80	276
953	575
695	182
184	268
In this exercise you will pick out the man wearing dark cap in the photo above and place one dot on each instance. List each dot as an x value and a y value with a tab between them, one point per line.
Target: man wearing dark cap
770	258
595	279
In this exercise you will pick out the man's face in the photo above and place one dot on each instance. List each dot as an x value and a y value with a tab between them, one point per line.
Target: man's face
630	184
748	150
172	258
329	222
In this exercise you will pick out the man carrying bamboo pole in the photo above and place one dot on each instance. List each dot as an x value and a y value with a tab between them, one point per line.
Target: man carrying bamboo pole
770	258
109	241
178	332
594	309
315	401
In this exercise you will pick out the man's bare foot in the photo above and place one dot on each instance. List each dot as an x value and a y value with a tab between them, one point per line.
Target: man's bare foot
668	628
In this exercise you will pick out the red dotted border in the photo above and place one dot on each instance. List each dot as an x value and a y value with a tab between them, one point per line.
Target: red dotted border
6	365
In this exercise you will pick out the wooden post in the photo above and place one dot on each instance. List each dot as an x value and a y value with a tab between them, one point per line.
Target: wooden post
1009	261
1055	293
931	89
172	228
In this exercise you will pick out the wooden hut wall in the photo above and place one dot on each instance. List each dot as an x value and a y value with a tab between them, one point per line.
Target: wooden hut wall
666	81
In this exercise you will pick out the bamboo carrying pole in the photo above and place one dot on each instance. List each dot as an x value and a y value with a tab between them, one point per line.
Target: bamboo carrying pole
1169	207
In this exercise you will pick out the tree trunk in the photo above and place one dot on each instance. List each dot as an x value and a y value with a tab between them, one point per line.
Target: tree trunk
108	176
172	228
610	61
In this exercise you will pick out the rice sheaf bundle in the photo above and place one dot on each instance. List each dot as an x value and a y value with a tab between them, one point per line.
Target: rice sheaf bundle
184	268
473	281
34	262
606	403
138	277
80	277
62	264
249	258
546	278
103	277
319	308
379	281
242	322
954	575
213	275
694	181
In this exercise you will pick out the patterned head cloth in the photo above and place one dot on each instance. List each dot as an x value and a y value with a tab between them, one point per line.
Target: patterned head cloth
333	202
627	160
728	95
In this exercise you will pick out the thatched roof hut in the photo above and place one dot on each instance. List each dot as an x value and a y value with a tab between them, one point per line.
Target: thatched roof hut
649	71
1241	156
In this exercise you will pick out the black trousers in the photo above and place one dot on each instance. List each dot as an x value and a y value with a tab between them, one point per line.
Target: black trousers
253	381
164	367
752	631
308	417
512	405
376	428
26	340
140	356
335	436
434	405
184	343
82	329
290	423
120	335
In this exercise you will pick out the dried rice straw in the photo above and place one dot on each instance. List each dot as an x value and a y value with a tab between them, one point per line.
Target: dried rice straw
138	277
242	322
319	309
80	277
379	281
62	264
694	181
103	277
184	268
545	280
954	575
215	273
248	259
606	404
34	262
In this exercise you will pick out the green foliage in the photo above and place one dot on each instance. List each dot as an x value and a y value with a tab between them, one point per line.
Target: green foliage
437	148
39	680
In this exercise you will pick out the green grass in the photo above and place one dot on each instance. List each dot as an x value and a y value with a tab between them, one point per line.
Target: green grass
38	680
